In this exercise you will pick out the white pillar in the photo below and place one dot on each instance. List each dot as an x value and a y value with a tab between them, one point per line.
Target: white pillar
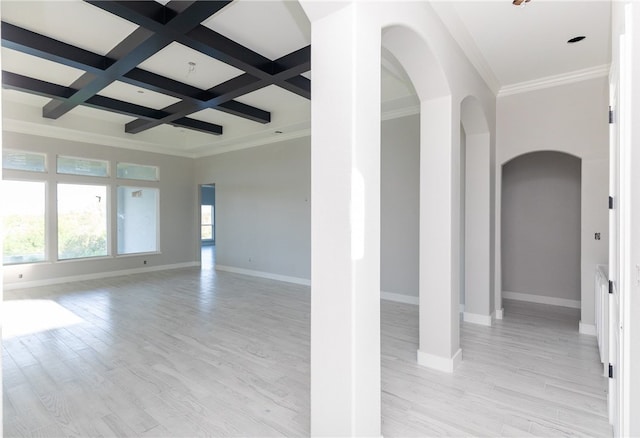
497	279
345	224
478	309
439	225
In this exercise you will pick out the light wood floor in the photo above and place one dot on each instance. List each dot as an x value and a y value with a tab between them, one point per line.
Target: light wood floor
195	352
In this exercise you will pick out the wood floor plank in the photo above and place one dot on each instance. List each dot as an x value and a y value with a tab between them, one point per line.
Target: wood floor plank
195	352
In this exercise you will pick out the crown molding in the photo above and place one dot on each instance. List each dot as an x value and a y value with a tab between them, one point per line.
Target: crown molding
61	133
555	80
262	141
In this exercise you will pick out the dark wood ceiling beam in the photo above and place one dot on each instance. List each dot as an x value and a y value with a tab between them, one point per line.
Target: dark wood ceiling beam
136	52
238	86
31	43
161	84
199	38
13	81
34	44
217	46
299	83
223	93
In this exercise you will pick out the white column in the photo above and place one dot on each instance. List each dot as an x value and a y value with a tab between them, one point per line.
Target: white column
497	279
439	225
478	231
345	224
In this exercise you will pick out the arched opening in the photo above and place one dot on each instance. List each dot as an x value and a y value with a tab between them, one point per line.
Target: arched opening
541	229
439	337
399	183
476	224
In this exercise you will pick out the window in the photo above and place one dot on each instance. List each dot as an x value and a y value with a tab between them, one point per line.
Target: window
137	171
82	166
82	221
207	222
23	214
137	220
19	160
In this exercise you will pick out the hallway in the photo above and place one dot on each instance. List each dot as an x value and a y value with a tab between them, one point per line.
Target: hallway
198	352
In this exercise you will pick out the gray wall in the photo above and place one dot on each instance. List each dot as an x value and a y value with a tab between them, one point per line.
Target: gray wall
263	212
178	208
400	205
263	209
570	118
541	225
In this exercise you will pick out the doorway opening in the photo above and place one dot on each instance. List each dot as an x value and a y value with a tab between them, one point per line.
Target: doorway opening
541	229
208	226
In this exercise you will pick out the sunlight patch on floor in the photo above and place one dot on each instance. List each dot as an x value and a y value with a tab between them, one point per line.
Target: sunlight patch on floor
23	317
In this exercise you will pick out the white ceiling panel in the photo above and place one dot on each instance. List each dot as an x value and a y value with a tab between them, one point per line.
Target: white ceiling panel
129	93
24	98
71	21
38	68
232	125
107	116
173	62
270	28
281	103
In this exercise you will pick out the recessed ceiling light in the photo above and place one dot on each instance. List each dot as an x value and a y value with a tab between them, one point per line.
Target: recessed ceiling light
141	91
576	39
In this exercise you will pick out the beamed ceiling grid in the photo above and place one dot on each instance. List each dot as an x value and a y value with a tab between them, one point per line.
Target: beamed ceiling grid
159	26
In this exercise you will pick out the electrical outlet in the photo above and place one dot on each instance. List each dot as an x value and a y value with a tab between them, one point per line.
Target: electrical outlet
145	262
597	236
19	275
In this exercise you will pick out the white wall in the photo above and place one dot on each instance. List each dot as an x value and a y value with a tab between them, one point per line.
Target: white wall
541	225
569	118
263	207
178	208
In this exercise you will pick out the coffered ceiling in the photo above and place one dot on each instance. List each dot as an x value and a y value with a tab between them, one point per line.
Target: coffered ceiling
198	78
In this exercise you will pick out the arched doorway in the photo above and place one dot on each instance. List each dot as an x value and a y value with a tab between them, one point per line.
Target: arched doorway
541	228
345	212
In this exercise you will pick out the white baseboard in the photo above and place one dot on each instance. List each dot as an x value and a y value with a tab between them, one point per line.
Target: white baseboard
439	363
476	318
500	313
262	274
95	276
587	329
540	299
400	298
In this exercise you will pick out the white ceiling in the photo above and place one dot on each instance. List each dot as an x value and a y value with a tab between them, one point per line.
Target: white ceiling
508	45
513	45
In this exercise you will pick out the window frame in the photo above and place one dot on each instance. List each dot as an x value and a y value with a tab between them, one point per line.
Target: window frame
211	224
47	217
52	179
28	171
108	221
156	180
116	252
85	175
